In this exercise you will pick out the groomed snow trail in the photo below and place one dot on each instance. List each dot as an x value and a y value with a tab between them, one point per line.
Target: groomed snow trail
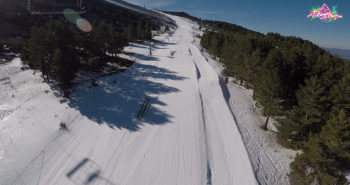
188	135
270	160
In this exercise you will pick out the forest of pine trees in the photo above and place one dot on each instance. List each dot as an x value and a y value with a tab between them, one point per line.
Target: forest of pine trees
59	51
139	31
306	87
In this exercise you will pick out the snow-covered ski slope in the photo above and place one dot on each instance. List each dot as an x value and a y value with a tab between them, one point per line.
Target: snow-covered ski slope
187	137
269	159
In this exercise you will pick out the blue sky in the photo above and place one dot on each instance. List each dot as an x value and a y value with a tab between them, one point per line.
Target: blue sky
287	17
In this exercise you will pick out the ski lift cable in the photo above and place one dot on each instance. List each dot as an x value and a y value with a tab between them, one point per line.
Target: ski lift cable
79	4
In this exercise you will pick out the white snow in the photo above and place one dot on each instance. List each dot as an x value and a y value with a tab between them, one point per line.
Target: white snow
347	176
188	135
270	160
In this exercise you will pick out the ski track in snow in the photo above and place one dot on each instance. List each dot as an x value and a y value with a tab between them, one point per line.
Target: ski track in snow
188	135
270	161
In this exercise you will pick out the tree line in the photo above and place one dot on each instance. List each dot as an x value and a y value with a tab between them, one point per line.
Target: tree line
59	49
304	86
138	32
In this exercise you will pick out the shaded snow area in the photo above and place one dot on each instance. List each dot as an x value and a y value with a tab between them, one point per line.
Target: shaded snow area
270	160
188	135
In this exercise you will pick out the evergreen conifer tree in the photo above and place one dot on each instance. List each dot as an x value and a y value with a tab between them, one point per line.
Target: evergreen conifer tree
147	31
252	66
326	156
112	40
307	117
131	33
267	92
140	30
268	88
340	94
99	39
63	71
36	51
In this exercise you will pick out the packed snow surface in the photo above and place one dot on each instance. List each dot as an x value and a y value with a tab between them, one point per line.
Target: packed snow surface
269	159
187	136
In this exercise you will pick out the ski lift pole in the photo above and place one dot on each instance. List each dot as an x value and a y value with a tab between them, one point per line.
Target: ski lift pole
150	48
146	104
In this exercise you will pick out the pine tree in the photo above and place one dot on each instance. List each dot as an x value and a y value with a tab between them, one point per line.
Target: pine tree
205	40
293	74
36	51
230	57
252	66
323	64
274	59
63	71
307	117
340	95
242	49
267	92
99	39
313	166
326	156
215	45
63	62
268	88
112	40
147	31
57	67
131	33
116	41
140	30
122	41
335	136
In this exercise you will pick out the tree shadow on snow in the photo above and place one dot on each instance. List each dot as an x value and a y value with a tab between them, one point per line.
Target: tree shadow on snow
117	99
145	57
156	47
138	46
163	43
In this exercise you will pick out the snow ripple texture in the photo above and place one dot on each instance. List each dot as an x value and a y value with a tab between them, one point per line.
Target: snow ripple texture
187	136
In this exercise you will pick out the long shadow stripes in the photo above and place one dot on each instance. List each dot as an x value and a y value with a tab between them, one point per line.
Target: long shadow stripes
116	99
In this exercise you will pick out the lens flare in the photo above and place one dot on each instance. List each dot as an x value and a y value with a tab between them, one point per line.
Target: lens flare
71	15
83	25
74	17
